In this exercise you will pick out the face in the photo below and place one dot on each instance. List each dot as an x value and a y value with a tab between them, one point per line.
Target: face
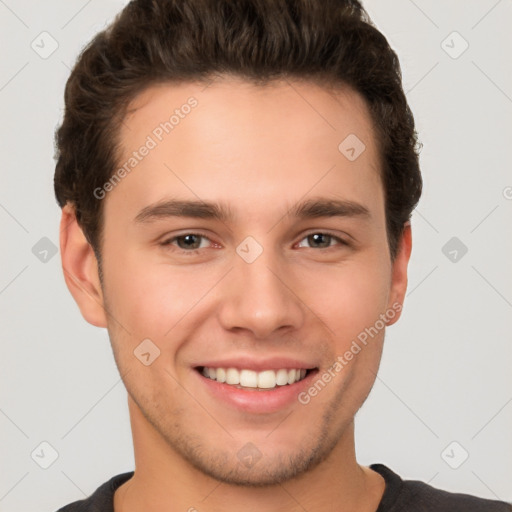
247	246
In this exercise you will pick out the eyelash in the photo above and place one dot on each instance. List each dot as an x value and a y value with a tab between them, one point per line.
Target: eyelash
195	251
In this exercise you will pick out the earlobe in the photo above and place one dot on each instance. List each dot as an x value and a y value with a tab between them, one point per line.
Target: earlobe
399	273
80	268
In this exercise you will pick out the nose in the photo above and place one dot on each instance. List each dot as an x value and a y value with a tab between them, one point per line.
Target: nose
259	297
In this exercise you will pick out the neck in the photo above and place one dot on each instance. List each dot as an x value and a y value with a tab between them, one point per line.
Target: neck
163	480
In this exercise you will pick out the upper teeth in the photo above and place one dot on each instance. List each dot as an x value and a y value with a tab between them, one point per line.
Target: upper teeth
266	379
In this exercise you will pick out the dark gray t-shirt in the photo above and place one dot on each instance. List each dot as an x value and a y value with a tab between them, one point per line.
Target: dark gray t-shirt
399	496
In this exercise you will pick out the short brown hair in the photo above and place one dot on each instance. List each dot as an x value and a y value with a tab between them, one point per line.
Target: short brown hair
170	41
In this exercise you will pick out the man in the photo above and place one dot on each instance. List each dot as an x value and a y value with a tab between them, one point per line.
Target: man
207	147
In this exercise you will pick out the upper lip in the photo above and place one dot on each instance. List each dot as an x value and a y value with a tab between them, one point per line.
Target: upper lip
258	365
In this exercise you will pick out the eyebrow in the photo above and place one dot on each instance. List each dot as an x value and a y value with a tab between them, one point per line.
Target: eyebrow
180	208
309	209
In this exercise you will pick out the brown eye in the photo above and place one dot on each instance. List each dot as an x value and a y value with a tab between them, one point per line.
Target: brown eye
323	240
189	242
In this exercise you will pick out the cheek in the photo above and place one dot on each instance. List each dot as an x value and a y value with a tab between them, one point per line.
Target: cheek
348	298
150	299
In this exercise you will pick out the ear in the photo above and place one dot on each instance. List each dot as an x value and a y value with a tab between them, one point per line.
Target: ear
399	272
80	268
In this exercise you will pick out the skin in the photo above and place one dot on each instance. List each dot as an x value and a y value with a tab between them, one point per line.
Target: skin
259	150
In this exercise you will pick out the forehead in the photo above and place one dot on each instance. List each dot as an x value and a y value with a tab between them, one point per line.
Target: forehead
233	140
228	103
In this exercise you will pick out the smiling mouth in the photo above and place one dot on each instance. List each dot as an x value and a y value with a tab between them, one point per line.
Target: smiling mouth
253	380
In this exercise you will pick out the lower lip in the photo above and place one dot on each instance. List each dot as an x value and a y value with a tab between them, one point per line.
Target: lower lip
257	401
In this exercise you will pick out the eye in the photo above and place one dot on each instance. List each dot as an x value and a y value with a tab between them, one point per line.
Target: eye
323	240
193	242
188	242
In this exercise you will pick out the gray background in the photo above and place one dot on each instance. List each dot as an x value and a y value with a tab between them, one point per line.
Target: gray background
445	375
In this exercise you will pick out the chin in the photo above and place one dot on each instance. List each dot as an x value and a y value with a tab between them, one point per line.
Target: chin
265	471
